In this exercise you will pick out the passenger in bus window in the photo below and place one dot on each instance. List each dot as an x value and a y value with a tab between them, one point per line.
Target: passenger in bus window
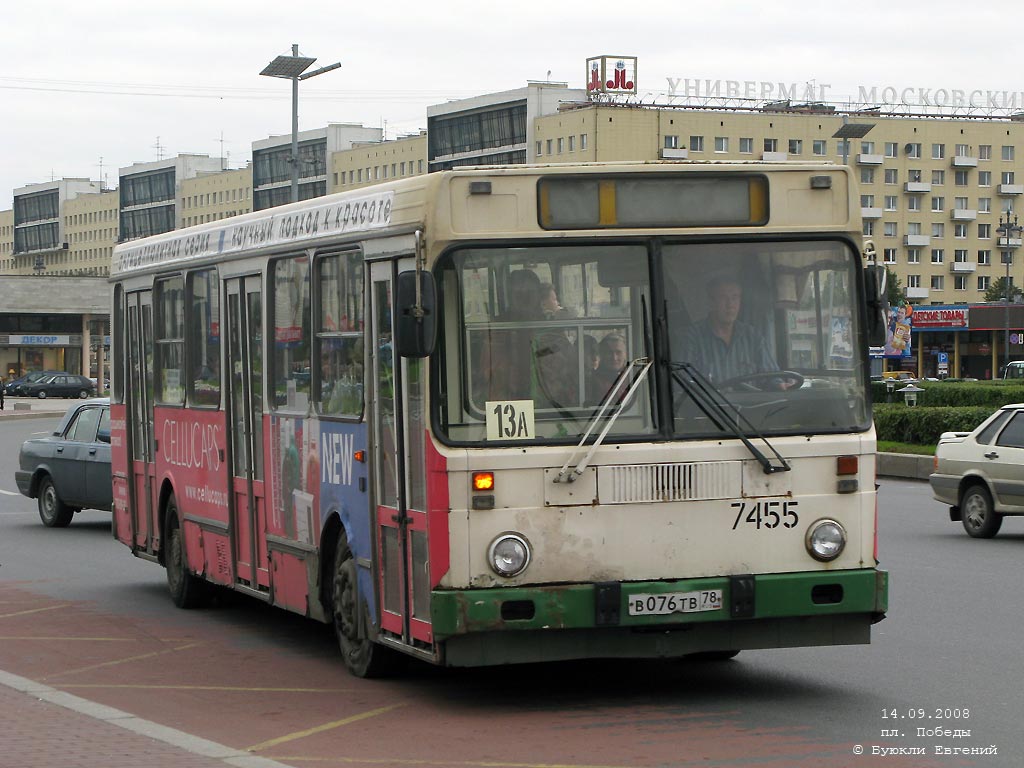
612	359
722	346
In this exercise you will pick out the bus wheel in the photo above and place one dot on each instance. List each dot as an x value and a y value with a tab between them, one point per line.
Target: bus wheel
363	657
978	514
186	589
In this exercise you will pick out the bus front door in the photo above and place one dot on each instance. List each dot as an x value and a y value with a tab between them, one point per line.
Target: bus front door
139	402
245	406
399	471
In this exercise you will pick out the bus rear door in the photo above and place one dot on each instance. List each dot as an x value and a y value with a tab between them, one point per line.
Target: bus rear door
139	400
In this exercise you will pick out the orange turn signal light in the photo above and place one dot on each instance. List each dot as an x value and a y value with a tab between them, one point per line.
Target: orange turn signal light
847	465
360	456
483	481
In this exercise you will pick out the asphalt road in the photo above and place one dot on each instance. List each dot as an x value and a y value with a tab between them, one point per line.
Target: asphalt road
246	675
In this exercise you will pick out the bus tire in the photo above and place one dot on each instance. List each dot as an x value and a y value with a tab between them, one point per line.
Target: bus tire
362	656
978	514
53	512
187	591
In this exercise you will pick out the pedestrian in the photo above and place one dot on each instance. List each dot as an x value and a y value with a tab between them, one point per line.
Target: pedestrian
2	385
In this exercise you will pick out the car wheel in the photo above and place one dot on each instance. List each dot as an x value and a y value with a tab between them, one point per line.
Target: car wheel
42	394
362	656
978	514
83	394
52	511
187	590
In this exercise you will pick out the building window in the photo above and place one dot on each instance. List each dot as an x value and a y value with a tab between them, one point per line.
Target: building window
984	231
1006	177
960	231
867	175
721	143
746	146
960	255
892	149
913	281
961	178
914	228
914	151
914	175
938	151
938	178
867	147
938	255
889	255
960	282
938	204
984	178
820	147
891	202
867	201
984	151
869	228
1008	152
771	145
796	146
913	256
984	257
938	230
938	282
561	145
547	146
572	143
671	142
696	143
539	151
891	176
983	282
583	141
889	229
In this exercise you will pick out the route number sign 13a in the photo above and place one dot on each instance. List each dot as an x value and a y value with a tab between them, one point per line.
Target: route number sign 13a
510	420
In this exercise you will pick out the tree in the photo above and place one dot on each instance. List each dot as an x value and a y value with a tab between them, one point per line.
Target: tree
895	292
997	291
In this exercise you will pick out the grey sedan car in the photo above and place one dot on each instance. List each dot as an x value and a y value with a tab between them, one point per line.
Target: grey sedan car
980	474
69	470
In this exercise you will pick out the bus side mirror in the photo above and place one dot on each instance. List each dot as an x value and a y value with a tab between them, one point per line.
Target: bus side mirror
417	314
876	298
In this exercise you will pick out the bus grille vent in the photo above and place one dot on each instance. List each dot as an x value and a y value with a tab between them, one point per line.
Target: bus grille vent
648	483
223	567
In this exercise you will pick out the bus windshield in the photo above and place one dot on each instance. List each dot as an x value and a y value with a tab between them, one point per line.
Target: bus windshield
538	341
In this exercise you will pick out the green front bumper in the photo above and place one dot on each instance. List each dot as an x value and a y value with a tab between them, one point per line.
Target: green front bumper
578	606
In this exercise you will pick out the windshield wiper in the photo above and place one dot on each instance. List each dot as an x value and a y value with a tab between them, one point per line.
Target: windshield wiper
611	398
725	414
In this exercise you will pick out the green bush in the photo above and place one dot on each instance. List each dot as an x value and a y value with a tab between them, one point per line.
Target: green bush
981	394
923	425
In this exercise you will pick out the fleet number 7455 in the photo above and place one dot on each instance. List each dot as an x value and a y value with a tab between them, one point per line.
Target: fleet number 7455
766	514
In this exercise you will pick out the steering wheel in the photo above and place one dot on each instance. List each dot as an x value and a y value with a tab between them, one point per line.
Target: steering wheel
764	381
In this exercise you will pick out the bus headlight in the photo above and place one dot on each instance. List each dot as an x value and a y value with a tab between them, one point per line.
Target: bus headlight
826	540
509	554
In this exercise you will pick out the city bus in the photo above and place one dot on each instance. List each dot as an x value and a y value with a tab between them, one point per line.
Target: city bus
378	409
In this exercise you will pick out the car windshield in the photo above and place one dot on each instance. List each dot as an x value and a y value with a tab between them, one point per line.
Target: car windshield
537	338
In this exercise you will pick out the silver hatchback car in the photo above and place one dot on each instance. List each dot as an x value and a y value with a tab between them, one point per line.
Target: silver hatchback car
980	474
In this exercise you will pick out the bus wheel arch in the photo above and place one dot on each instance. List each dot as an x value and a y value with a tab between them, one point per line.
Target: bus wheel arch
187	590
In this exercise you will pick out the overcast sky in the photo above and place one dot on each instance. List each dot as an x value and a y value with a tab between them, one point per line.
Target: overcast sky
112	83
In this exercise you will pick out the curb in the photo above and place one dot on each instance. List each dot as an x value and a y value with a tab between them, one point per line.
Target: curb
908	466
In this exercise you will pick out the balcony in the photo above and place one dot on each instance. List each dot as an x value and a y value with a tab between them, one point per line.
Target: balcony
675	154
1011	189
917	293
961	161
871	213
1008	243
917	241
962	267
917	187
774	157
963	214
863	159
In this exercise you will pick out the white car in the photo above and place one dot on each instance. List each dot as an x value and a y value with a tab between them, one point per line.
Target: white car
980	474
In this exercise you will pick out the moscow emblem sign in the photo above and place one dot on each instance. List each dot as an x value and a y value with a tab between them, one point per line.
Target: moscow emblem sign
611	74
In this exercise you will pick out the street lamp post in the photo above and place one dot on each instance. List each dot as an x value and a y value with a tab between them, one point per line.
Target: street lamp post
1009	232
294	68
